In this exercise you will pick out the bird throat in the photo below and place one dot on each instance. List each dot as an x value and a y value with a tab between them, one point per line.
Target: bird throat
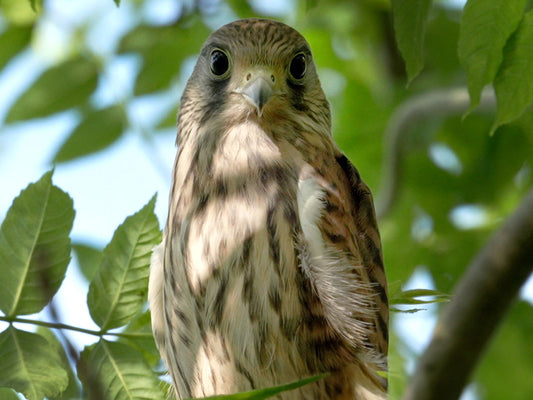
244	148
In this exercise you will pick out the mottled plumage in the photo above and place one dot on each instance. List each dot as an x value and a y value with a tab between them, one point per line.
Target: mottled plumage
270	269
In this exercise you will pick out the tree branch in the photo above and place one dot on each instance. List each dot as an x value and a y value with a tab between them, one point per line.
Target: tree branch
444	102
59	325
482	298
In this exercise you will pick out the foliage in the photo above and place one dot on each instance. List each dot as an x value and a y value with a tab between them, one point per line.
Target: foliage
37	260
261	394
410	20
34	247
24	358
453	169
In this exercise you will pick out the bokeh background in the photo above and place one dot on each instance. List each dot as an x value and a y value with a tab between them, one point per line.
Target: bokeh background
104	119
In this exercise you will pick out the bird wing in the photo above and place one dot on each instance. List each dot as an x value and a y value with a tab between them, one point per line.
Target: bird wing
343	255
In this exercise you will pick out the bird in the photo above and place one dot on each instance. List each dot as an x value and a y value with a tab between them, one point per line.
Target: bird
270	268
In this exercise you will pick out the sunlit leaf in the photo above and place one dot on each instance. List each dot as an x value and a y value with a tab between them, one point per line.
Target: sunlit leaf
96	131
89	259
36	5
30	365
34	247
411	297
406	311
267	393
397	296
485	28
13	39
18	12
59	88
111	370
514	82
410	19
397	374
119	288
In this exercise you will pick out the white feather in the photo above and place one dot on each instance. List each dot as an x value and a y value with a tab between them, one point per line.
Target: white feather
343	296
155	293
311	206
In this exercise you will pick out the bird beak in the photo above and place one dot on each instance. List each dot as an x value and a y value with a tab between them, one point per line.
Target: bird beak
258	89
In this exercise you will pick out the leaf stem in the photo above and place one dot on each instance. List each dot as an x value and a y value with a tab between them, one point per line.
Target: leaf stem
58	325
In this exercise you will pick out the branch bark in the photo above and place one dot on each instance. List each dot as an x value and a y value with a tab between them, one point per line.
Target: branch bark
481	300
437	103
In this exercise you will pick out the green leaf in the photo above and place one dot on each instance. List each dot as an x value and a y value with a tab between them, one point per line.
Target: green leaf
408	311
514	82
397	296
410	297
114	371
155	45
34	247
117	2
13	39
485	28
119	289
242	8
30	365
8	394
170	120
89	259
17	12
59	88
36	5
96	131
261	394
138	334
410	19
72	390
441	46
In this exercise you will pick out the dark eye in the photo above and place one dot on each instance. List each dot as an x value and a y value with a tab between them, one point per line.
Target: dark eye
219	62
298	66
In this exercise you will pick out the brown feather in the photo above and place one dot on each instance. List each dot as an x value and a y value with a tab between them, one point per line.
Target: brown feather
270	268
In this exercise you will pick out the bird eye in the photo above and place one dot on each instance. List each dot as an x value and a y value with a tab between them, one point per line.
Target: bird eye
219	62
298	66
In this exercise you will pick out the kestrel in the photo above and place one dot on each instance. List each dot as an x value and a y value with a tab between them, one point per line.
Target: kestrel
270	269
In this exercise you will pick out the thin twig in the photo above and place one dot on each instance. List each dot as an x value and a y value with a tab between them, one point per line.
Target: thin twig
72	352
444	102
59	325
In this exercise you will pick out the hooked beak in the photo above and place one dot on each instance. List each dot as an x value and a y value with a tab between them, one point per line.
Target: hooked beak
258	89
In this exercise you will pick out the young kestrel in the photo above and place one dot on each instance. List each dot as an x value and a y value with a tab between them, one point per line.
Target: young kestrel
270	269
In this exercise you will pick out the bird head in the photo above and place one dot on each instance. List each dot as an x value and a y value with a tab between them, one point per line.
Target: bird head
257	70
